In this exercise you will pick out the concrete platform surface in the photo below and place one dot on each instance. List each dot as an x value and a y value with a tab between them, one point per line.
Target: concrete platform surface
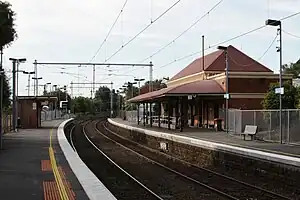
236	144
25	168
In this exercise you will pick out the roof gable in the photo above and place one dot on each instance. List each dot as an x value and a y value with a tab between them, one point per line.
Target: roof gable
237	60
197	65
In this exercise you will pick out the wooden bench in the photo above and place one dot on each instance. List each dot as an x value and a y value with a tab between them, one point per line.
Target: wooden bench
249	130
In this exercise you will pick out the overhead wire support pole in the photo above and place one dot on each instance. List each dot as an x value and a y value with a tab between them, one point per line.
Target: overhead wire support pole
36	83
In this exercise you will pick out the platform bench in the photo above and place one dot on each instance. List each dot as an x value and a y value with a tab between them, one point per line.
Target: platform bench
249	130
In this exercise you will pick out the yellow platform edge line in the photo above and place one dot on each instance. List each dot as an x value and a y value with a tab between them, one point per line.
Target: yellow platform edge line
58	179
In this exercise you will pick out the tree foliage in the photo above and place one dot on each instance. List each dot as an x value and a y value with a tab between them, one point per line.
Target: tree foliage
61	96
292	68
289	98
7	31
6	92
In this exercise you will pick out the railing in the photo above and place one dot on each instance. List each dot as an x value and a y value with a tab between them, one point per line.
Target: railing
267	122
164	121
6	122
51	115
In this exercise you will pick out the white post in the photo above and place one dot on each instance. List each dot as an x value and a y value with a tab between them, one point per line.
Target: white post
288	126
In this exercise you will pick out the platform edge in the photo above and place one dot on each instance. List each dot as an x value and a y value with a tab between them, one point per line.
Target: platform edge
92	186
283	159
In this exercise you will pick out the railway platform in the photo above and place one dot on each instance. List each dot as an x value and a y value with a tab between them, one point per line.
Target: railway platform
33	166
275	152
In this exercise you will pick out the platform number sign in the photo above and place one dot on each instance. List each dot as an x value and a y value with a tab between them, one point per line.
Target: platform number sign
164	146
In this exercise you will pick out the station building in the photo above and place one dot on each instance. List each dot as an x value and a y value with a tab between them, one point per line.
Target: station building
195	95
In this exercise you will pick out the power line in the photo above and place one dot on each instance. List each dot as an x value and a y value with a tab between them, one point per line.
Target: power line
217	44
185	31
144	29
291	34
111	28
228	40
255	61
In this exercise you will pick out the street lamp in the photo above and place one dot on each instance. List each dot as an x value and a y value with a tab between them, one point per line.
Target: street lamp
15	62
226	96
139	81
271	22
28	73
35	88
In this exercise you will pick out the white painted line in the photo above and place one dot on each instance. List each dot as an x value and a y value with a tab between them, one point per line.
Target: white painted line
290	160
94	189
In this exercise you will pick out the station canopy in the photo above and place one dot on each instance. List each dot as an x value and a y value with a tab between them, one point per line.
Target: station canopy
203	87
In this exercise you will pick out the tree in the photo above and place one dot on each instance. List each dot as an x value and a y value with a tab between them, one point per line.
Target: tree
82	105
157	85
61	96
289	99
292	68
6	92
7	31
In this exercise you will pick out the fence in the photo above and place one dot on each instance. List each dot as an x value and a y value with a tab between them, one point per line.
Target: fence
267	122
6	122
50	115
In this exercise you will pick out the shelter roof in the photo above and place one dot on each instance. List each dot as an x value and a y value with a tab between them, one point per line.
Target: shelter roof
197	87
238	62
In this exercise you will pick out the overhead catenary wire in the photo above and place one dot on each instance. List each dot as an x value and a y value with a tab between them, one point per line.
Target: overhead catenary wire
109	32
212	46
143	30
184	32
291	34
258	59
228	40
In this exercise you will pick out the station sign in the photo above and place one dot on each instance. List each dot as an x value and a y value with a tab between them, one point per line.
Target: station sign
279	90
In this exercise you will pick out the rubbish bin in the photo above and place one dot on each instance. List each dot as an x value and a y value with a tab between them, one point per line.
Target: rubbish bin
18	122
218	124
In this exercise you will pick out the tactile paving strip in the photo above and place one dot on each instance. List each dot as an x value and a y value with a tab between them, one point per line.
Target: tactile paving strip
50	190
46	166
67	184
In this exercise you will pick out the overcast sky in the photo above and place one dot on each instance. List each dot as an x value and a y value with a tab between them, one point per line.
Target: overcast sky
73	30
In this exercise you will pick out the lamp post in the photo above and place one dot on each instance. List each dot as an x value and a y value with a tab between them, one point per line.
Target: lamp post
139	81
28	73
271	22
36	87
226	96
15	62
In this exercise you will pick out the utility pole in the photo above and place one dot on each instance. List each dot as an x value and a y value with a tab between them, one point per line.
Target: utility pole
14	71
111	100
226	96
28	86
278	23
94	79
36	79
151	77
1	95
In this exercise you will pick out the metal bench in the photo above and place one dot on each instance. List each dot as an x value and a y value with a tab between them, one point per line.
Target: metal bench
249	130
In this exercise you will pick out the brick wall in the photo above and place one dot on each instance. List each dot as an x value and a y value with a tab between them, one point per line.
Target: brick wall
245	103
251	85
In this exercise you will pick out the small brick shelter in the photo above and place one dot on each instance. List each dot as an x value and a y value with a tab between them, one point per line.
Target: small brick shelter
30	107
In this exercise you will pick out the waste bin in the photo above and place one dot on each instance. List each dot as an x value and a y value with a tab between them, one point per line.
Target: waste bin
18	122
218	124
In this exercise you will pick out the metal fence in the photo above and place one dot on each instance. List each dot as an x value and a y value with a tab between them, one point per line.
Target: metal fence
267	122
51	115
6	122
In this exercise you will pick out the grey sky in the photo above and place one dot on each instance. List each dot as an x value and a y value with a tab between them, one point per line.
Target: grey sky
72	30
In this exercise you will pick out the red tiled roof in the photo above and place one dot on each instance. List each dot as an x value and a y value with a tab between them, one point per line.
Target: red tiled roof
197	87
237	60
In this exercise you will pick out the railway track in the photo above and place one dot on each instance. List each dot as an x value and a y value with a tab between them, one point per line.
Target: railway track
235	189
166	183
